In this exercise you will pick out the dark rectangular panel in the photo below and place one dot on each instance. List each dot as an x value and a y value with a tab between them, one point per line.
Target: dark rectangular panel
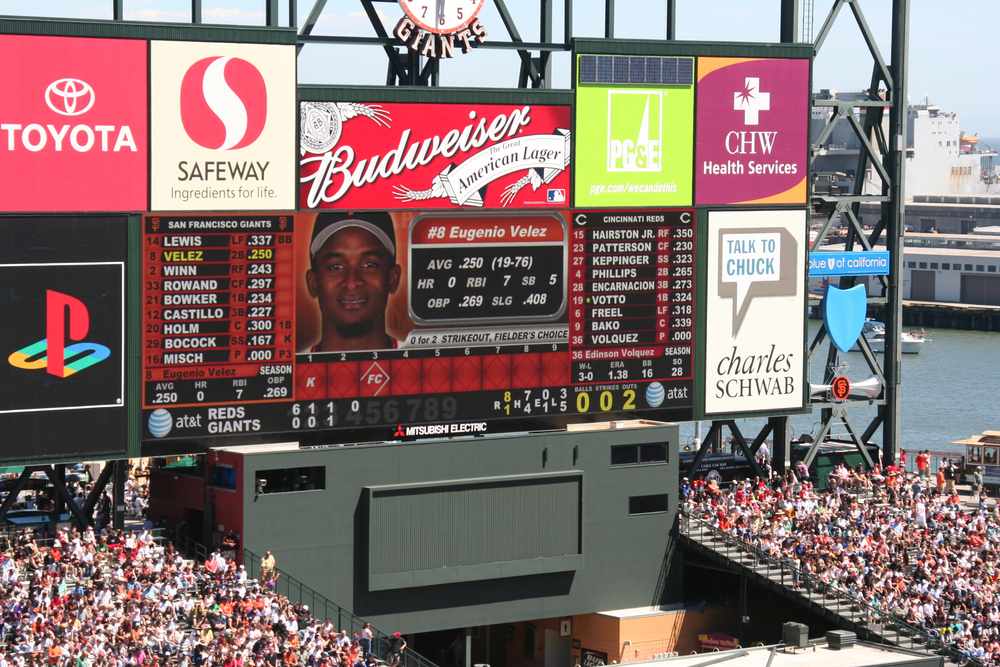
62	336
588	69
604	69
476	529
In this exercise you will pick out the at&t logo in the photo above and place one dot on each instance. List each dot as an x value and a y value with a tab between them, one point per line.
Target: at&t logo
51	353
70	97
223	103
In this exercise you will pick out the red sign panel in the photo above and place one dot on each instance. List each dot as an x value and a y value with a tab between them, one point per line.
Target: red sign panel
72	124
431	156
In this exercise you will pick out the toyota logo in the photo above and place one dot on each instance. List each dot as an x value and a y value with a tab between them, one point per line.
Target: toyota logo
69	97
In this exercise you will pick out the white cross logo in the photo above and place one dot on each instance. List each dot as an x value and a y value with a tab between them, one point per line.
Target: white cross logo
751	101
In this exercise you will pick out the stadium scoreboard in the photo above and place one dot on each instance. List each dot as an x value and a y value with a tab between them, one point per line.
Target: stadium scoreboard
547	317
632	312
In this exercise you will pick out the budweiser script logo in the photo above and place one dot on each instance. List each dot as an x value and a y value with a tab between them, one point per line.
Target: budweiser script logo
541	157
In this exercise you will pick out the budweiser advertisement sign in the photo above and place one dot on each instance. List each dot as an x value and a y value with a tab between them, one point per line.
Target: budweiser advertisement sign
427	156
223	121
72	124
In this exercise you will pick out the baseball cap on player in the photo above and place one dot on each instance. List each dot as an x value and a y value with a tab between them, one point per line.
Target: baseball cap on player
328	224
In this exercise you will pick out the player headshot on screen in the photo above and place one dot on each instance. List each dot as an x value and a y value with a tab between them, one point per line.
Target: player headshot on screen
353	272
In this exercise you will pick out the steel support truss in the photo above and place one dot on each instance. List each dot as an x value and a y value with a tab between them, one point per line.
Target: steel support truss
405	67
65	503
885	153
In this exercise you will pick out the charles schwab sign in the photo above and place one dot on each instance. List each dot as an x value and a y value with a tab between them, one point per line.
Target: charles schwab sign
358	156
755	312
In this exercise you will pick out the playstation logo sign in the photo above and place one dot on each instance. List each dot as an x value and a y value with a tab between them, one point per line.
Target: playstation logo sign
70	97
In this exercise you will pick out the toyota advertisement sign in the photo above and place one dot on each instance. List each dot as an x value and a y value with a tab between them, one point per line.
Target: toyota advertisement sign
70	124
223	126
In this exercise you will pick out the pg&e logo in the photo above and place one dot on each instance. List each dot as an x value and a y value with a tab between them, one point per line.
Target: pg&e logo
635	130
66	320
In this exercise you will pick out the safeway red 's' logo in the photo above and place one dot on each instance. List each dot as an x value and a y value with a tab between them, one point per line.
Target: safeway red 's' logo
223	103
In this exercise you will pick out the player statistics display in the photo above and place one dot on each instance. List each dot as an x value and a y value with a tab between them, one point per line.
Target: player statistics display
408	324
545	316
218	322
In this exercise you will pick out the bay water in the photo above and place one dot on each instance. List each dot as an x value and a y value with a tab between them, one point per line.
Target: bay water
950	391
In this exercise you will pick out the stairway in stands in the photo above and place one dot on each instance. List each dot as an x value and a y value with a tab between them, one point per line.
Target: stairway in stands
845	610
321	607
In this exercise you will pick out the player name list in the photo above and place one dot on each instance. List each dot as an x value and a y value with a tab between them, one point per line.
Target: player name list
632	296
219	309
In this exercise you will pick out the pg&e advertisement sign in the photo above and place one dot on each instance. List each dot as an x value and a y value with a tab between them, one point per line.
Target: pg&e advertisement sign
73	124
636	115
433	156
62	336
223	127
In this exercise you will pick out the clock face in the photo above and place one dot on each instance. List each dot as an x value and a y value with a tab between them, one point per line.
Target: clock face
442	16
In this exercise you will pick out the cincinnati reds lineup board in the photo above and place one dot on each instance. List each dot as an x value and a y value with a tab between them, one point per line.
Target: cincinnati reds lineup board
542	316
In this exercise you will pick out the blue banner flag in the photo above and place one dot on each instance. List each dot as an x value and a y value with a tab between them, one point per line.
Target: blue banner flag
865	263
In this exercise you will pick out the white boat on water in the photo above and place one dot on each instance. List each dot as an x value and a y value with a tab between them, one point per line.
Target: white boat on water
875	333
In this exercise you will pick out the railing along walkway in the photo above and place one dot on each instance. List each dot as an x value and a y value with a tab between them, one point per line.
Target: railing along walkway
850	612
321	607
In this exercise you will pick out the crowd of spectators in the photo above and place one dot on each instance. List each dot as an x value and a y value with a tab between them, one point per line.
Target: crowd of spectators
117	599
907	546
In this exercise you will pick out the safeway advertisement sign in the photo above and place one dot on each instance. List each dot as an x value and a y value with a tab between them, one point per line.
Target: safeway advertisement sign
72	124
397	155
223	126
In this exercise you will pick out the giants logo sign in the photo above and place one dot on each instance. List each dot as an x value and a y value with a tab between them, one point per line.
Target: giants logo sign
224	118
72	124
428	156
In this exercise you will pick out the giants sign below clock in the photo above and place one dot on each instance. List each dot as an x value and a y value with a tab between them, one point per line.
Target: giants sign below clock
432	27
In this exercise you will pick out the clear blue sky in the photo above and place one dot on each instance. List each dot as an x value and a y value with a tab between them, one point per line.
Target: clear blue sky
953	48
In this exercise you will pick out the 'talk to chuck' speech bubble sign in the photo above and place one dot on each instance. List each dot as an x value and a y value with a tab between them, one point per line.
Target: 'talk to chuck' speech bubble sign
755	262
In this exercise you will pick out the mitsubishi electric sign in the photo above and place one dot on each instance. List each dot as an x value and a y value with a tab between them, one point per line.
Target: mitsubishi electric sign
636	118
223	119
755	311
72	123
753	131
